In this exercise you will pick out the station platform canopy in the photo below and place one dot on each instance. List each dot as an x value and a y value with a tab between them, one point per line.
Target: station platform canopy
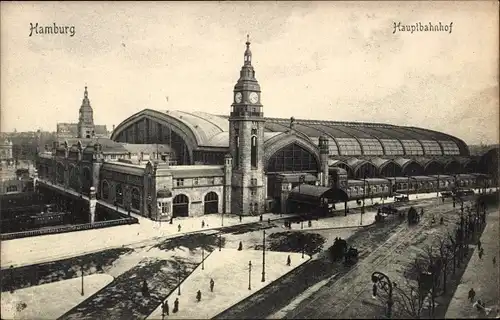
314	194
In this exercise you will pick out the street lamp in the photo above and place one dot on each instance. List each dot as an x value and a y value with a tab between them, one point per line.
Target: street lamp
263	255
81	267
202	258
383	282
220	241
363	205
12	279
179	282
249	275
222	219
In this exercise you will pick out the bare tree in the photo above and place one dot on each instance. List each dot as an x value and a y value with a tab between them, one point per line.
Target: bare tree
453	246
409	298
433	262
445	257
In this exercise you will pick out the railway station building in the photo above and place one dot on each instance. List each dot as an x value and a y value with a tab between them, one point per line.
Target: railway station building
244	163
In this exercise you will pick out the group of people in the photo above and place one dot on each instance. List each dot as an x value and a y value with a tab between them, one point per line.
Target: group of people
166	309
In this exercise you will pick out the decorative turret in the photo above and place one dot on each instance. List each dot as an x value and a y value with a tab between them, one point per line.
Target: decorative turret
86	118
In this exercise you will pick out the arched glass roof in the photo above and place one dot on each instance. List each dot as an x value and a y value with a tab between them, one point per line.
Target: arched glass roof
345	138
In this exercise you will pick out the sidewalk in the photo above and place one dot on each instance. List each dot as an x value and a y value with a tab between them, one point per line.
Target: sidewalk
26	251
51	300
352	220
229	269
481	275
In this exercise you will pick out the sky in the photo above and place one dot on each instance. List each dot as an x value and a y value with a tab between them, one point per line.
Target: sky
324	60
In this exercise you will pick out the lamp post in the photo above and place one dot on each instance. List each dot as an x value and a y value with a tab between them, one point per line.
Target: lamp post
383	282
408	188
179	282
263	255
363	205
81	267
437	189
12	279
202	258
249	275
222	219
220	241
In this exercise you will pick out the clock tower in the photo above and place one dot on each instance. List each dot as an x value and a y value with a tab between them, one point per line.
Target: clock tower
246	142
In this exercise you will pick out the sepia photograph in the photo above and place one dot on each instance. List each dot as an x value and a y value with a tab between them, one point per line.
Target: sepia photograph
249	160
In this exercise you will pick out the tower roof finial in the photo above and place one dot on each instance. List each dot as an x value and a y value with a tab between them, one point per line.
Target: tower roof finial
85	93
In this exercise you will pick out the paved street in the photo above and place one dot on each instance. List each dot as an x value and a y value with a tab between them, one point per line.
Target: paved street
482	275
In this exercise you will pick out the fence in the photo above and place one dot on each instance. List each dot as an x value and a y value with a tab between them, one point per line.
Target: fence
63	229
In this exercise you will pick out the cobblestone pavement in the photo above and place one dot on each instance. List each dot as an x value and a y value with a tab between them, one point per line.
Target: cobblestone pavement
282	294
482	275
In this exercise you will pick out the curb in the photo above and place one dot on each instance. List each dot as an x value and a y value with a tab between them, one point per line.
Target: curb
256	292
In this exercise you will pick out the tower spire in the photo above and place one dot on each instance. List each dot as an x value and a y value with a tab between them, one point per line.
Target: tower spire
248	53
85	93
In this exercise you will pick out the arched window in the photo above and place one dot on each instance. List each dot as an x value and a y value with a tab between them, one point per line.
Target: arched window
293	158
136	199
237	151
87	179
253	153
105	190
119	193
60	173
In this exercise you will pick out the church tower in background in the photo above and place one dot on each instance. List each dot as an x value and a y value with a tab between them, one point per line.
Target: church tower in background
246	142
86	119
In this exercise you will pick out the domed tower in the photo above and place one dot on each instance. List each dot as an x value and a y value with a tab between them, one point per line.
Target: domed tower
246	142
86	118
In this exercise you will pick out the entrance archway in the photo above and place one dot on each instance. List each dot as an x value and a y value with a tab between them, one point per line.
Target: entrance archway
180	206
211	203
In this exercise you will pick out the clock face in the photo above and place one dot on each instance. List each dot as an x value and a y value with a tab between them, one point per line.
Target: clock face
237	97
254	97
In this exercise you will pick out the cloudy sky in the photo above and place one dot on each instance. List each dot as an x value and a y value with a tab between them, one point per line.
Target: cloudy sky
323	60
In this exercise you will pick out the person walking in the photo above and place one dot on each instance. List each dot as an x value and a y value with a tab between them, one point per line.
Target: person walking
494	260
176	305
212	283
481	252
479	244
179	227
288	261
198	296
165	308
472	295
203	223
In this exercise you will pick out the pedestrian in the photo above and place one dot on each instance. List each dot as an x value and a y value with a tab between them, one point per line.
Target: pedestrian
145	290
212	283
481	252
309	223
260	218
441	221
494	260
240	217
198	296
288	261
479	244
165	308
422	212
472	295
171	220
179	227
269	220
240	246
176	305
203	223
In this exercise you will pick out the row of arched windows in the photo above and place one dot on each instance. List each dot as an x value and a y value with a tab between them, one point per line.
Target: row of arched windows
135	195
